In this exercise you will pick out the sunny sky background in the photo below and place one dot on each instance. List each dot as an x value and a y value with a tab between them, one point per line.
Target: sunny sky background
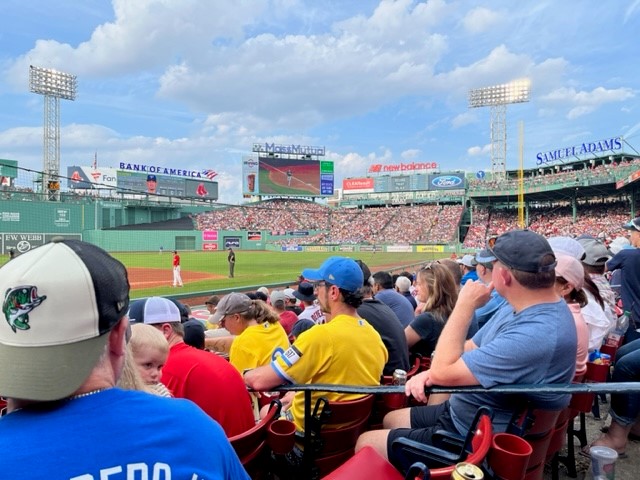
194	83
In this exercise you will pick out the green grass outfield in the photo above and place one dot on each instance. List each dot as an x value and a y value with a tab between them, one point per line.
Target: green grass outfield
253	268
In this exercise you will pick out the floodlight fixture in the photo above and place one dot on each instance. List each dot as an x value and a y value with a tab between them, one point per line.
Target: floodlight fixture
497	97
53	85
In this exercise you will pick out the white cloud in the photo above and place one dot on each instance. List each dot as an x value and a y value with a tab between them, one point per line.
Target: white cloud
145	35
478	151
480	19
464	119
582	102
410	154
631	10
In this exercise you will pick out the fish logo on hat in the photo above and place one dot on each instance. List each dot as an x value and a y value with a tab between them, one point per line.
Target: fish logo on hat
18	303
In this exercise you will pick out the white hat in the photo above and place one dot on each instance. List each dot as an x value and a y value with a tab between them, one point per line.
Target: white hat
153	311
619	243
468	261
60	301
567	246
288	294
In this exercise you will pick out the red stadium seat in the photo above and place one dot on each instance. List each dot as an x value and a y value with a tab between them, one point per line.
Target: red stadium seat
367	464
251	446
453	449
335	428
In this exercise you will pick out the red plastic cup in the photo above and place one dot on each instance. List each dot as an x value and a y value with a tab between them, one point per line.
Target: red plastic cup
281	436
509	456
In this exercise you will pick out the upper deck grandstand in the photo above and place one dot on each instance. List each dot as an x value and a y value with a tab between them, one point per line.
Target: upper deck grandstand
591	196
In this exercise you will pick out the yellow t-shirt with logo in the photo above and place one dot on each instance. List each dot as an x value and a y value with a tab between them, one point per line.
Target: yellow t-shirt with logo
345	351
255	346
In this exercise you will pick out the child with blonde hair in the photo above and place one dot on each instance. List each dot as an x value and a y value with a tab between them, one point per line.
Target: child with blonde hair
149	350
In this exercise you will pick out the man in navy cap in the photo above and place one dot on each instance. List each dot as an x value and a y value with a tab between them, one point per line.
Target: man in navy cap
345	350
533	342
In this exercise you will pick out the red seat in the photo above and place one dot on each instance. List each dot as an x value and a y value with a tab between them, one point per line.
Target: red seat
442	461
250	446
388	379
367	464
335	428
581	404
536	426
390	401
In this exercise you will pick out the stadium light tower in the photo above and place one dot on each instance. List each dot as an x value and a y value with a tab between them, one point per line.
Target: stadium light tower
498	97
53	85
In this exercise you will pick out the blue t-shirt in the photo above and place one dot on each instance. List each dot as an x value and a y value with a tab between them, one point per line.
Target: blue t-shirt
470	275
488	310
116	434
396	302
535	346
628	260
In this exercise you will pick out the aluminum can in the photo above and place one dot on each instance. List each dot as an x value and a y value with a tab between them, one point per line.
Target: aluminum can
467	471
399	377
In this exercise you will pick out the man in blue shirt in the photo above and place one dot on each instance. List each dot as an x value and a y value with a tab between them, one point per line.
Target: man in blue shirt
628	261
62	351
383	291
484	269
468	268
533	342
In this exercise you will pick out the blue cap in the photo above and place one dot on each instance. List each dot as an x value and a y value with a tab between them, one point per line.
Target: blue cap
343	272
151	178
632	224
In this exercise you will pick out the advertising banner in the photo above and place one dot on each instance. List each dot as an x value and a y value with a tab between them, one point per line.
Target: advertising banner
134	182
23	242
371	248
291	248
209	235
430	248
250	178
233	242
316	248
201	189
82	178
209	246
446	181
254	236
358	185
400	248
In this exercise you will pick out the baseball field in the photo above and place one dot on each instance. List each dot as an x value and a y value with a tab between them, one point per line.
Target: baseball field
204	272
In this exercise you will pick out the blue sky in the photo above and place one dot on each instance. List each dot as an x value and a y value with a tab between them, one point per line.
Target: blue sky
194	83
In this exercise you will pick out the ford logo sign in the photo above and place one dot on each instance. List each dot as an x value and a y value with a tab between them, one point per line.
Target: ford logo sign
447	181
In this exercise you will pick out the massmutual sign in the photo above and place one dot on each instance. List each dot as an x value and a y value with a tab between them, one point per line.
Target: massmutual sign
601	146
288	149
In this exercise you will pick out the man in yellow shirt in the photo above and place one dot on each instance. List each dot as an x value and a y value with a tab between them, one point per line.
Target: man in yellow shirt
344	351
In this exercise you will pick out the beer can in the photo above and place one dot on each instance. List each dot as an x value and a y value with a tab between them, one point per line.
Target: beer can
399	377
467	471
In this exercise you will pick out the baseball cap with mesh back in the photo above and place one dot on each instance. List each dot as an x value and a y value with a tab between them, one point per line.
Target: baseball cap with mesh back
59	302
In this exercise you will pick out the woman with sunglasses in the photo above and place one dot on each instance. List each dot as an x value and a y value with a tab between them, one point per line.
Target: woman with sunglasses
437	292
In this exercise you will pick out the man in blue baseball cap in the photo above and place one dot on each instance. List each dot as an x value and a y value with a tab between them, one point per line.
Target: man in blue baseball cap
345	350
